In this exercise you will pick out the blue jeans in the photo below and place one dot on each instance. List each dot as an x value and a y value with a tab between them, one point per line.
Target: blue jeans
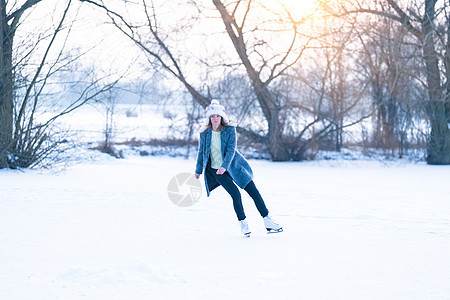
226	181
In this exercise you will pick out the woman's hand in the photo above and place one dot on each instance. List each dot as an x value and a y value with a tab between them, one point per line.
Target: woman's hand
221	170
197	175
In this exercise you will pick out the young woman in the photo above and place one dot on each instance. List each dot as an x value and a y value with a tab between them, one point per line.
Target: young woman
223	165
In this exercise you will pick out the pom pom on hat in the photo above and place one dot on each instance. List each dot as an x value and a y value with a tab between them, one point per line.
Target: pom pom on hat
215	109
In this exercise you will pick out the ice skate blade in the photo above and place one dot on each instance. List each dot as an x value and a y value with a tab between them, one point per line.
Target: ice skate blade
270	230
247	235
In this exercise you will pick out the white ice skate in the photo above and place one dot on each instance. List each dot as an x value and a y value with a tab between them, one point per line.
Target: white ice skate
244	228
271	225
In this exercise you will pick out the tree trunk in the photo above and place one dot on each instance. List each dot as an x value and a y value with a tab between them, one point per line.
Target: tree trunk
271	111
6	88
439	142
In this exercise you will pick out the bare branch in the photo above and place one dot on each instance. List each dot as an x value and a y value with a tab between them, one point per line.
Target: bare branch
405	19
41	65
18	13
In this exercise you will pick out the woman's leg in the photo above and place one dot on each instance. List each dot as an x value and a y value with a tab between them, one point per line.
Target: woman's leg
226	181
256	196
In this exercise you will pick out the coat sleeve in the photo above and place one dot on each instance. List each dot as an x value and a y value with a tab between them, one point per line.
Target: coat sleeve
199	166
230	148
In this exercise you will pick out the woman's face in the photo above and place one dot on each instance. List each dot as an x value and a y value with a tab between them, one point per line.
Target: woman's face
215	120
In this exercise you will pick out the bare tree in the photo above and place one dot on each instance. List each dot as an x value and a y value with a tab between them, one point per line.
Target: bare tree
9	21
389	61
109	102
26	74
236	16
156	49
429	24
270	66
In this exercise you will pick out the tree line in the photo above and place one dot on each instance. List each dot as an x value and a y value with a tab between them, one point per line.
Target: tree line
296	84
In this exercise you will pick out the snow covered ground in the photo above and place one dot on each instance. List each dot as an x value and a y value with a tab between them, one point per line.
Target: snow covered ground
107	230
141	122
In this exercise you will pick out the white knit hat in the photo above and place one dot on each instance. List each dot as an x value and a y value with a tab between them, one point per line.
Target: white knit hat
215	109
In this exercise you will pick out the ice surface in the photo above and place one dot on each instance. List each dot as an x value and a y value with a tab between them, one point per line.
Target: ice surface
352	230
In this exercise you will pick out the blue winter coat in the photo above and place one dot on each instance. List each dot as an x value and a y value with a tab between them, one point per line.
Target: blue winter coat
235	164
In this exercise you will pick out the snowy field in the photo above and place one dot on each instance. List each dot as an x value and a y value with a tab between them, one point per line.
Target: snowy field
106	229
141	122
